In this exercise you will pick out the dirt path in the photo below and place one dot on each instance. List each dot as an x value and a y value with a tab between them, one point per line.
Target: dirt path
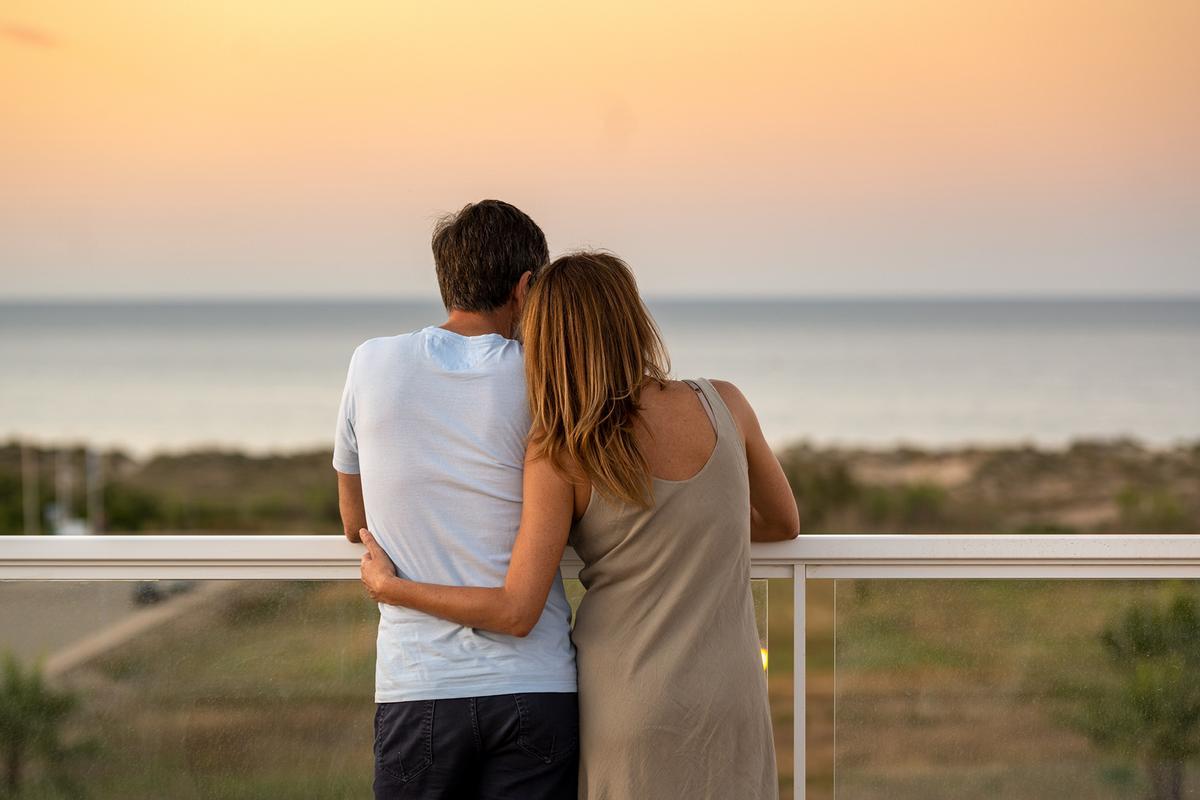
69	623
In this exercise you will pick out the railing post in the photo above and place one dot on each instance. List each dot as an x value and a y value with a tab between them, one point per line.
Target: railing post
799	668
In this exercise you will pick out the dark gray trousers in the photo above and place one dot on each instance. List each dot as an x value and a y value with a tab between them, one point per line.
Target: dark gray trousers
497	747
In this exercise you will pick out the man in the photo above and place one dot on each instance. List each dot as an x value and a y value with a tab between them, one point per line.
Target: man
429	453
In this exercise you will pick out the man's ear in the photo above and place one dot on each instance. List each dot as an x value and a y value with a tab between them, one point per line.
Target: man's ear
522	289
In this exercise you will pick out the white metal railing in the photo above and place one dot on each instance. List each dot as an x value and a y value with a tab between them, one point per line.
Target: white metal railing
288	557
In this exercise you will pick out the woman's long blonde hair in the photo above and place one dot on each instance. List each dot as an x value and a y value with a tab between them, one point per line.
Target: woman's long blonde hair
590	346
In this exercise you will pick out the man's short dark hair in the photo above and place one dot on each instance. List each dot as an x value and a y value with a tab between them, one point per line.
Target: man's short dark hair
481	252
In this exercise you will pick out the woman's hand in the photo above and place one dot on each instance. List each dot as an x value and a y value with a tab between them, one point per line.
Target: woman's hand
378	573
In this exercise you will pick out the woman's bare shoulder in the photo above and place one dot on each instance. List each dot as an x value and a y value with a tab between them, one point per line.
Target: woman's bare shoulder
561	465
728	391
738	405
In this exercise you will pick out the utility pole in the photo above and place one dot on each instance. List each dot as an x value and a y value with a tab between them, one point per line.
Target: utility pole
29	490
94	483
63	490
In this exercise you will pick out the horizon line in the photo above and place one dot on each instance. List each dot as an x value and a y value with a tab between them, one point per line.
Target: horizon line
832	297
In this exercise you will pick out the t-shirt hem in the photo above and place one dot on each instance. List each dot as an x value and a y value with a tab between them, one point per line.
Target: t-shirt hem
482	690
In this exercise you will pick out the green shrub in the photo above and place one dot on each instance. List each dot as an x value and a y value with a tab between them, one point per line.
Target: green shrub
32	718
12	513
1045	528
1148	708
1151	511
820	487
906	505
129	509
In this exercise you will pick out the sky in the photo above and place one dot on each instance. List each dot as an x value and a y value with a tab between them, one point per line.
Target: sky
304	148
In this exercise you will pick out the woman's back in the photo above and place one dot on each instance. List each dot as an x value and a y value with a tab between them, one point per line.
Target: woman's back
673	697
676	429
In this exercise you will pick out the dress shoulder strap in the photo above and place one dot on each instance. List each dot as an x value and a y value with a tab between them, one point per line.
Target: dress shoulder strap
704	401
723	421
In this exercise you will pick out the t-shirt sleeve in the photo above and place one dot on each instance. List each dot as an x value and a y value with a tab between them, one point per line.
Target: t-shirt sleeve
345	444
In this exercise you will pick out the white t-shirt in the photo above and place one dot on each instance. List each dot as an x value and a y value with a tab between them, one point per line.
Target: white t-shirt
436	424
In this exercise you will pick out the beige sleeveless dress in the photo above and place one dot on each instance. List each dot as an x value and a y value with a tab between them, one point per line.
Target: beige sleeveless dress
672	695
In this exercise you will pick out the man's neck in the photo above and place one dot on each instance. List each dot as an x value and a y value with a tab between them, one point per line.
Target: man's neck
479	323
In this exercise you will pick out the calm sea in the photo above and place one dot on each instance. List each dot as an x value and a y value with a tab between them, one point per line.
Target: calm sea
268	375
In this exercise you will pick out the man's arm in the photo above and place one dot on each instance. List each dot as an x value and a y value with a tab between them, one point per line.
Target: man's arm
345	461
350	503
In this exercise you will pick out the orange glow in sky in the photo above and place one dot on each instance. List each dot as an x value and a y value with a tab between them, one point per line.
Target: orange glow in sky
275	147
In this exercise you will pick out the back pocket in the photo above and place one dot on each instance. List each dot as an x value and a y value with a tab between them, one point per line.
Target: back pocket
404	738
548	724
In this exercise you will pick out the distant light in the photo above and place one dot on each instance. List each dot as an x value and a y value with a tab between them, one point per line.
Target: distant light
763	652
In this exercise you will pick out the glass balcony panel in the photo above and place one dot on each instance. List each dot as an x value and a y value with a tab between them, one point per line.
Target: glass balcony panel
187	689
781	686
1014	689
222	688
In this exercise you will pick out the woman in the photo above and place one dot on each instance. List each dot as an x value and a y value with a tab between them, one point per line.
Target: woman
661	485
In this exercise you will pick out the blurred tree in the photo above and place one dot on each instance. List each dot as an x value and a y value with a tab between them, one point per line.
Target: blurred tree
32	717
1149	707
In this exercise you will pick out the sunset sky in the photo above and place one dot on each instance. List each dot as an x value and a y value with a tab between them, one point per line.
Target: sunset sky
285	148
